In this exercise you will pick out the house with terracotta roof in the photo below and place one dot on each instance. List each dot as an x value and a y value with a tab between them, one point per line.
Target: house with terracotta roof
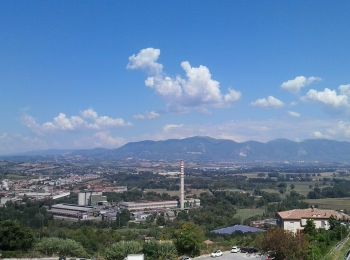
294	220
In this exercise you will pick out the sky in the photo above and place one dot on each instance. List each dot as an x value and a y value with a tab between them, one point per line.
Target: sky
85	74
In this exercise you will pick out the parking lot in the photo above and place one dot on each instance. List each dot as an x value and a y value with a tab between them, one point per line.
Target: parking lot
233	256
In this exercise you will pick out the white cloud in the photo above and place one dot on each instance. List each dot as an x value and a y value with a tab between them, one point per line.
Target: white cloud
232	96
197	89
104	139
344	89
170	127
146	59
88	119
14	143
320	135
296	84
147	116
293	114
327	97
269	102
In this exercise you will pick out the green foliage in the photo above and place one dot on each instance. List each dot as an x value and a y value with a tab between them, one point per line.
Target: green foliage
161	220
189	238
160	251
123	218
14	236
31	214
218	209
120	250
310	227
61	247
340	189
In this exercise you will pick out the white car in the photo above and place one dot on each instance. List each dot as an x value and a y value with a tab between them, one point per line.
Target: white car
235	249
217	253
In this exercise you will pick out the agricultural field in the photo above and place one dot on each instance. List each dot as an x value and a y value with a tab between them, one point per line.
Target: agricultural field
331	203
244	214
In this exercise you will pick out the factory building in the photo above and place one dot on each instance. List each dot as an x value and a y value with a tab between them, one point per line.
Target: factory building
90	198
73	212
148	205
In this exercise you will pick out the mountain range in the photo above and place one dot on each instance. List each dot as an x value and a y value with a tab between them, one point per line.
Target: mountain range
207	149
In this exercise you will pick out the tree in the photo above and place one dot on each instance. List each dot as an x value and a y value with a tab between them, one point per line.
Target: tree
284	244
292	186
160	251
61	247
310	228
333	223
161	220
120	250
189	238
123	218
14	236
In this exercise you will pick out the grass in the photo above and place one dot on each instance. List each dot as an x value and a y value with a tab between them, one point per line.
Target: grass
340	253
331	203
244	214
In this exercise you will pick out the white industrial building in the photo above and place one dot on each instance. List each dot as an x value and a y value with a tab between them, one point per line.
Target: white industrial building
73	212
148	205
90	198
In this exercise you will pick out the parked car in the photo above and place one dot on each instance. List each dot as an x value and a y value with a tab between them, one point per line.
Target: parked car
217	253
249	250
186	258
235	249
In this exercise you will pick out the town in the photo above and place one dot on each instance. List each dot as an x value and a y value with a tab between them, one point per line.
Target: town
233	203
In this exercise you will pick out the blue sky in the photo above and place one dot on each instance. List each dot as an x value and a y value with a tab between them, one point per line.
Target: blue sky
82	74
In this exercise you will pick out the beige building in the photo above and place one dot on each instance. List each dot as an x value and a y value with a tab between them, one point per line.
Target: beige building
294	220
148	205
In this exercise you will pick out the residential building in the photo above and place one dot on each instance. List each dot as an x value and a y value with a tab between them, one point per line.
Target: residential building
295	220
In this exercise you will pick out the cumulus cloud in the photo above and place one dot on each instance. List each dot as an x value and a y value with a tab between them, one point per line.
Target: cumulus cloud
147	116
269	102
293	114
88	119
105	139
196	89
146	59
327	97
299	82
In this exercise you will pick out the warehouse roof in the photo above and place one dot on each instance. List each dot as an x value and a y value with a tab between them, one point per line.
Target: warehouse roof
236	229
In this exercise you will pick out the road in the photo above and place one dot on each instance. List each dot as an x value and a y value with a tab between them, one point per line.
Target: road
232	256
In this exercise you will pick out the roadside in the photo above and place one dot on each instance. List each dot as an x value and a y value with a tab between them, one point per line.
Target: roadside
339	251
227	255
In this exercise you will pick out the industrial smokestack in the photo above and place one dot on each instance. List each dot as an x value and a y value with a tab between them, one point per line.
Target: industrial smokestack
182	185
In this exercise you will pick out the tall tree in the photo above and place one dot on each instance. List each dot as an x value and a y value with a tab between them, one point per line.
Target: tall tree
189	238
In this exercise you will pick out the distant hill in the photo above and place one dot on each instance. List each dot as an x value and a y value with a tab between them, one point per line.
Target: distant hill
206	149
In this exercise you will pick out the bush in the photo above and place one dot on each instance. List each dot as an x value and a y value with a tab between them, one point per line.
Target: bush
62	247
160	251
120	250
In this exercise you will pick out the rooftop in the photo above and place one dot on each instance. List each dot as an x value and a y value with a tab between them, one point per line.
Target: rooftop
72	207
312	213
236	229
